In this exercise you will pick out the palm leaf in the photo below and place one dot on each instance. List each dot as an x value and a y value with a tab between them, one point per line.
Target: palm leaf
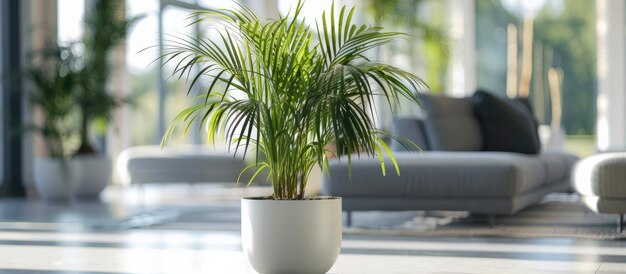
286	91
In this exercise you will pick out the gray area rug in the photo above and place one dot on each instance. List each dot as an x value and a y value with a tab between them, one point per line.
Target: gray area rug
557	216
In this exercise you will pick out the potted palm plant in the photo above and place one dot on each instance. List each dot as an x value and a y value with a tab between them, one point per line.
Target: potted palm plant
287	90
54	84
104	31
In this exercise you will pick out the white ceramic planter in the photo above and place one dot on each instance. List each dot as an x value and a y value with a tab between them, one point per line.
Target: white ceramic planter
94	173
291	236
55	178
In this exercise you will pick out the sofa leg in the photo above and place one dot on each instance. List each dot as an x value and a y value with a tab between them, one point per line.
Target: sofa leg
620	224
348	218
492	220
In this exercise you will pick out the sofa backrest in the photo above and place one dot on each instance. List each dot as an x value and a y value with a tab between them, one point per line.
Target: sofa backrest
449	125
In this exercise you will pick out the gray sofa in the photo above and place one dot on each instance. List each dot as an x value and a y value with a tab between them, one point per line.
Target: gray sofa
452	173
600	181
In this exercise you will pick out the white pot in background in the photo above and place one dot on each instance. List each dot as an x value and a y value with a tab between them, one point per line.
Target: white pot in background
55	178
94	173
291	236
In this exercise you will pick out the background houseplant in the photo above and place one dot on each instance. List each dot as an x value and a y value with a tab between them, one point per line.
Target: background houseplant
288	90
104	30
70	90
54	82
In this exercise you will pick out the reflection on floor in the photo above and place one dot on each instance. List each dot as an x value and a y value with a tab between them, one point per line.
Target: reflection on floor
154	231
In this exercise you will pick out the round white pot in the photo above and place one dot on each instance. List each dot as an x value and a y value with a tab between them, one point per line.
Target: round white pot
55	178
291	236
94	173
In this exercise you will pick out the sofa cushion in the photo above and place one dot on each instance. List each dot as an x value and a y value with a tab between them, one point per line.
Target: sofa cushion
438	175
557	165
506	125
450	124
411	129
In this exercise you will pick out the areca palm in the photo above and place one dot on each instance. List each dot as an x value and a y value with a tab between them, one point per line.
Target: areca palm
289	90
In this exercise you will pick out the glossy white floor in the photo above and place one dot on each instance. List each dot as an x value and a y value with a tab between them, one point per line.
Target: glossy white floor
116	237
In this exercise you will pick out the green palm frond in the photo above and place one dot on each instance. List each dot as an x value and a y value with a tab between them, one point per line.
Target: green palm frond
288	89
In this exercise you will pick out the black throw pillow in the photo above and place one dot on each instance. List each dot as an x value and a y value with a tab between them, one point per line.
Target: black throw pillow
528	106
524	101
506	124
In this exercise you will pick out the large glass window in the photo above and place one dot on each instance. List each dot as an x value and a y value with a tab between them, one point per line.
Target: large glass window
425	51
546	52
143	79
144	76
176	99
70	20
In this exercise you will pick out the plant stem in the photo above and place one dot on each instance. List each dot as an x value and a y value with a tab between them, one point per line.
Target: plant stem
85	147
